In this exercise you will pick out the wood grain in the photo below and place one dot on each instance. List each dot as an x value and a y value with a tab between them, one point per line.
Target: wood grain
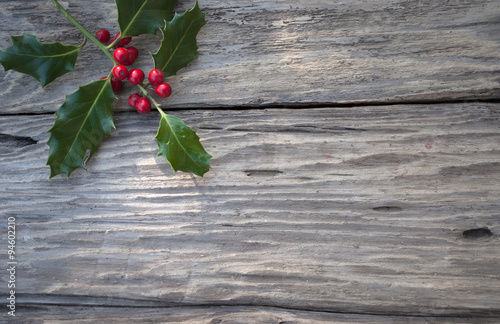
223	315
357	210
381	205
287	53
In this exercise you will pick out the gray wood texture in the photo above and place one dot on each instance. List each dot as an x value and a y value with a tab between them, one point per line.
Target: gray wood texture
225	315
267	53
352	210
355	178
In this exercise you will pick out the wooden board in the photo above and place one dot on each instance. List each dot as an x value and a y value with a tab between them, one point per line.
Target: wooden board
226	315
380	205
287	53
358	210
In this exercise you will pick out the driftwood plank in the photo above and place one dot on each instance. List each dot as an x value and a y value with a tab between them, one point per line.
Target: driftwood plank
223	315
360	210
275	53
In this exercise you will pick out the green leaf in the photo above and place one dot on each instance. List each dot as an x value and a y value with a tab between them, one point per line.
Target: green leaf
83	121
180	145
136	17
45	62
178	46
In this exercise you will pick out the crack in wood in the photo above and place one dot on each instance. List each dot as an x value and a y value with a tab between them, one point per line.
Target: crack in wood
390	209
268	173
16	141
477	233
61	301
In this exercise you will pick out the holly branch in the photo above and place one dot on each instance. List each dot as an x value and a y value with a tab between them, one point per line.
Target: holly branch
86	116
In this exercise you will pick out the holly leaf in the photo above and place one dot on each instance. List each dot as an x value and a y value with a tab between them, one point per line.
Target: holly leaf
178	46
180	145
44	61
136	17
82	122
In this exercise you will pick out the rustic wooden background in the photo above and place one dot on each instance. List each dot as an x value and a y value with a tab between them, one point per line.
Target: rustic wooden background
355	178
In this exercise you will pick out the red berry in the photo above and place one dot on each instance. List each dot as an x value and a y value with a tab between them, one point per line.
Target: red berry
120	55
116	85
130	59
120	72
155	77
143	105
135	76
163	90
132	100
124	41
117	35
133	51
102	35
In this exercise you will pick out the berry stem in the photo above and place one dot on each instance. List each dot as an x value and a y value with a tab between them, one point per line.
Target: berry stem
83	30
113	43
153	101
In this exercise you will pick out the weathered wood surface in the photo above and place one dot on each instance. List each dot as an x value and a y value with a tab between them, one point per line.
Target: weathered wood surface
265	53
225	315
356	210
352	213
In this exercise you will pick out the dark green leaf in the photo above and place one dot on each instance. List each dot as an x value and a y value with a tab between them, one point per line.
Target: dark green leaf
180	145
83	120
45	62
178	46
137	17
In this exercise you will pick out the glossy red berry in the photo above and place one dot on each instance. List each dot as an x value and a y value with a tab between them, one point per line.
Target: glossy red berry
121	55
132	100
124	41
116	85
120	72
102	35
130	59
133	51
135	76
163	90
143	105
155	77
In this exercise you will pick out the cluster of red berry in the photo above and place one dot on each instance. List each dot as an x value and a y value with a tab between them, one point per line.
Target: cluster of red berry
126	56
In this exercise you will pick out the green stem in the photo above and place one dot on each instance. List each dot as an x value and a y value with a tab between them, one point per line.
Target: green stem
146	93
84	42
114	43
83	30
